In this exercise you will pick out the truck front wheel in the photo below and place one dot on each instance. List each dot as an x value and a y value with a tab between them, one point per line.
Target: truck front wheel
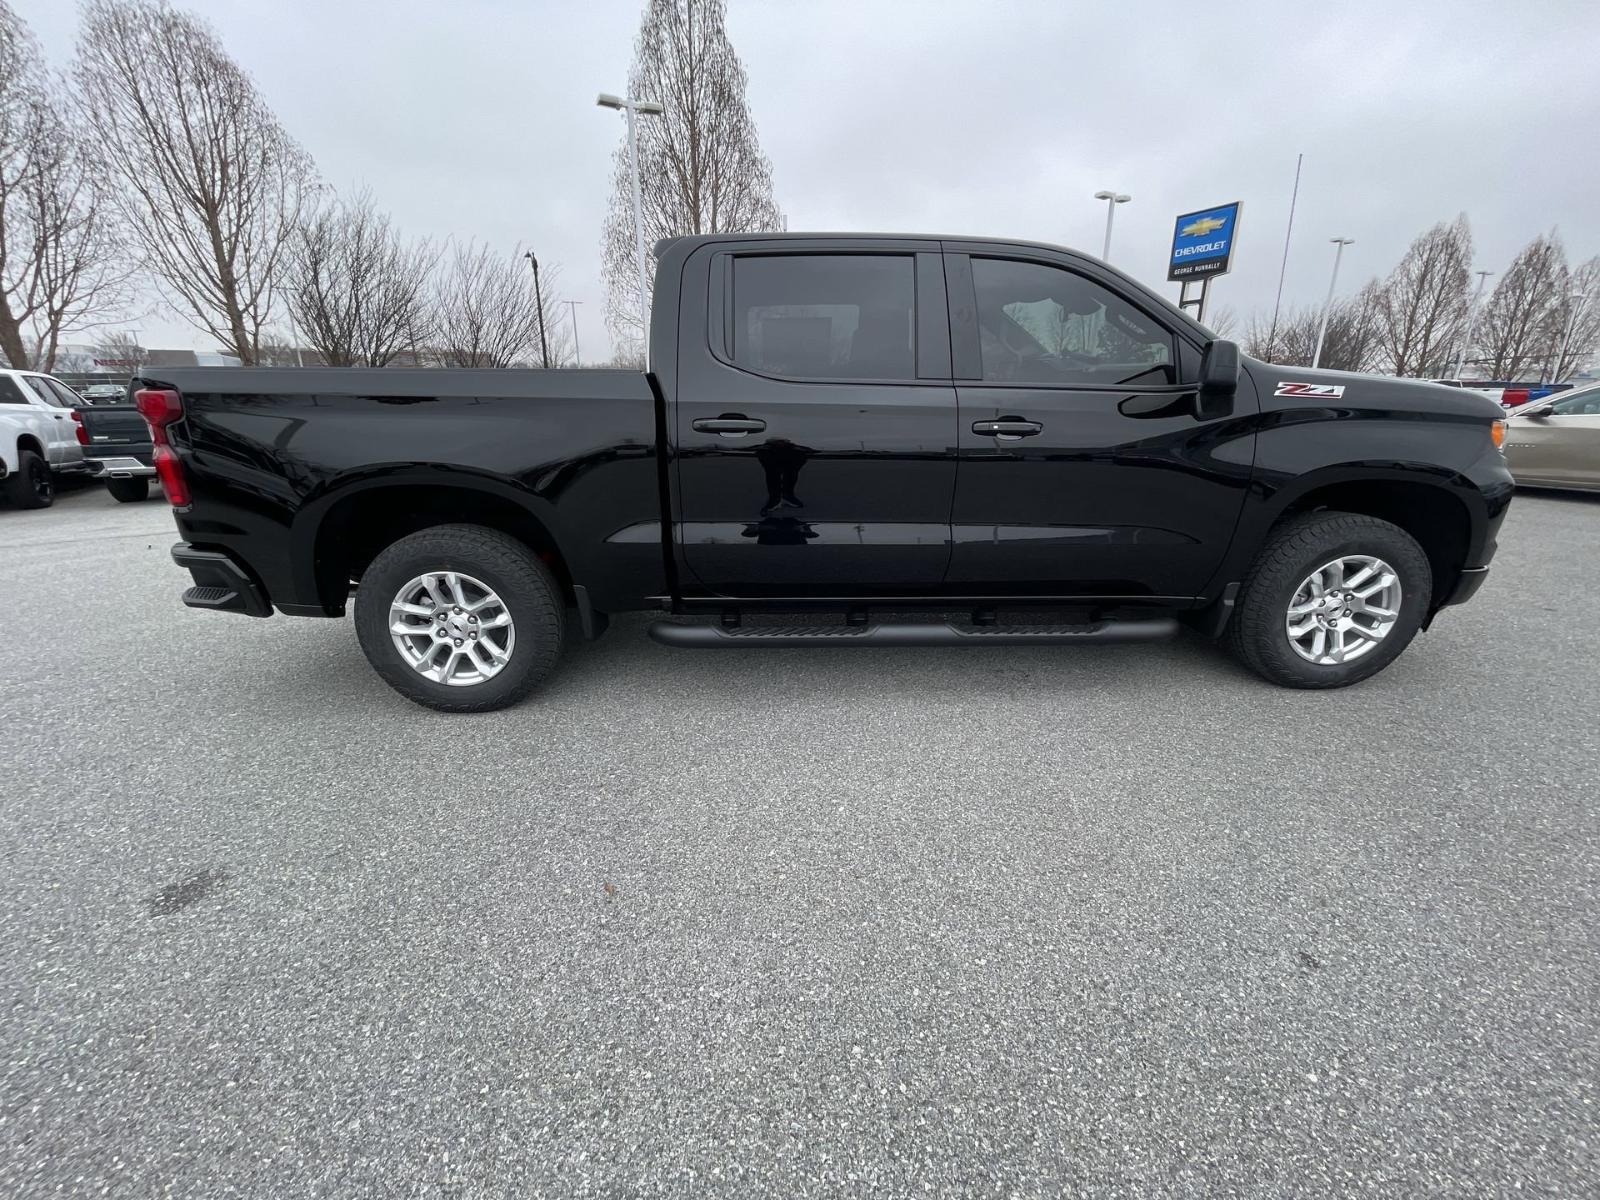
1332	599
460	618
31	486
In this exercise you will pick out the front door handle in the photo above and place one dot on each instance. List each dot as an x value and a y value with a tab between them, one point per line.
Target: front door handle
1007	428
728	425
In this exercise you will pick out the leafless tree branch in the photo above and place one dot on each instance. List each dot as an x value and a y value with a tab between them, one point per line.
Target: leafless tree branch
701	169
61	265
207	179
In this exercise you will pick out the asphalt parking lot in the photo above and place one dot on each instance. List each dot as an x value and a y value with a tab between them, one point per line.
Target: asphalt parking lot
927	922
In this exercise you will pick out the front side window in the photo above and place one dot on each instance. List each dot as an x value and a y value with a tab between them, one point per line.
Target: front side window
1579	404
825	316
1045	325
10	393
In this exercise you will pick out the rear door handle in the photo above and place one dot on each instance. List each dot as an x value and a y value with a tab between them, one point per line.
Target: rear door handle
1008	428
728	425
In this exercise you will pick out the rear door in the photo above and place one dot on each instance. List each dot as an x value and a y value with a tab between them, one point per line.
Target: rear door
1084	470
56	427
815	423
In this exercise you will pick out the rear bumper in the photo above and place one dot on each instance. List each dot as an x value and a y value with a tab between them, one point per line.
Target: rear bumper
220	583
125	467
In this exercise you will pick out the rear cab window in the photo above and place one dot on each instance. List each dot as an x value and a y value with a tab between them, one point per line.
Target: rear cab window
824	316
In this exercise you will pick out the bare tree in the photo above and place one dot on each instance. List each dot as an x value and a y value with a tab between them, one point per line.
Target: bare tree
1224	322
701	169
1524	310
1421	310
1579	321
485	315
208	180
1350	343
61	267
358	292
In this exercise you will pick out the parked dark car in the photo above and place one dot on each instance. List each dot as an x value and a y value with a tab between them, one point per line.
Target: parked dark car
842	426
117	447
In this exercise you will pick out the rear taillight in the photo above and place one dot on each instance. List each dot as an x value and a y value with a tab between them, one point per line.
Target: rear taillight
1512	397
161	407
79	429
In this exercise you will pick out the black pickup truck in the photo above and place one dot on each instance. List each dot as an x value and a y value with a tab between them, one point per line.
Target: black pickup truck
995	442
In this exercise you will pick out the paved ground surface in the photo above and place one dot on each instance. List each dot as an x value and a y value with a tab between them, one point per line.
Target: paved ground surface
1002	922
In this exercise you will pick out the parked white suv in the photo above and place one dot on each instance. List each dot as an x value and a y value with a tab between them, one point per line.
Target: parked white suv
38	437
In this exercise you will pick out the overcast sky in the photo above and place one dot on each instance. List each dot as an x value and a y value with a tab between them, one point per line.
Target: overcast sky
477	120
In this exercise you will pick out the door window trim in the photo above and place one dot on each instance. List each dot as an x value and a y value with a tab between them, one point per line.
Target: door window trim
930	355
966	345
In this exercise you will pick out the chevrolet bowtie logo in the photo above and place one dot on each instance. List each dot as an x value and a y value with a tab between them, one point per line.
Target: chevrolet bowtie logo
1202	227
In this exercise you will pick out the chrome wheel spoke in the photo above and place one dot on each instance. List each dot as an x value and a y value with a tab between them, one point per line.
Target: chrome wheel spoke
1372	589
436	629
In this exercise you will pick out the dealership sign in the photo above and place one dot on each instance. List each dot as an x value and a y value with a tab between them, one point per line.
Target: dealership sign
1202	242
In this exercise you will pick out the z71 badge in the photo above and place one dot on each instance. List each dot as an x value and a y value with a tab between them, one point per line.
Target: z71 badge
1318	391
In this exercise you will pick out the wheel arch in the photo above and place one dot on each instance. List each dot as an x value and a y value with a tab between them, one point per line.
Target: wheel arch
338	535
1435	508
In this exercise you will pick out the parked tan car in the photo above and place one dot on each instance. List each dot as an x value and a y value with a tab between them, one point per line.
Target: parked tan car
1555	442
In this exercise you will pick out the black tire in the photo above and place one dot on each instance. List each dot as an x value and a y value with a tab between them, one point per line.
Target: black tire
531	595
129	491
1256	635
31	485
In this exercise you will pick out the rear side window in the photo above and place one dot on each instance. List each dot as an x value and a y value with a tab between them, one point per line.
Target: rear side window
41	387
825	316
1045	325
68	397
10	393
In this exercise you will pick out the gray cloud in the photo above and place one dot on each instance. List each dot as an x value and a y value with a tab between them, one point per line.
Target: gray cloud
478	120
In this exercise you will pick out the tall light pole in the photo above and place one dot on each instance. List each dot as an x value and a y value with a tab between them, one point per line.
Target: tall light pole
1112	199
1577	299
538	299
1327	305
1472	323
648	108
572	307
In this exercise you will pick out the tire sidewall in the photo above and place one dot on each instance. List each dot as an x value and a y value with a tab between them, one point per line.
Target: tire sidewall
24	485
1276	592
538	639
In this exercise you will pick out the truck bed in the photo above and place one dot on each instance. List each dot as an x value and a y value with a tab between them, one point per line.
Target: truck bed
281	461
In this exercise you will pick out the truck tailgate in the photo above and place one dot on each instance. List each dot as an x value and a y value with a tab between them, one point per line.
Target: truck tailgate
113	428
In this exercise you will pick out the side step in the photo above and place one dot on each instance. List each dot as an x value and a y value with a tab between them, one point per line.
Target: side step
704	637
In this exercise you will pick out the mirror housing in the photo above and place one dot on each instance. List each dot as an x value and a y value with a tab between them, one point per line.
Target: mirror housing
1543	411
1219	379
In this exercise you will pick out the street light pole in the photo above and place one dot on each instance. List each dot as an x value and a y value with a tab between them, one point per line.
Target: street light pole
572	307
1112	199
633	107
538	299
1577	299
1472	323
1327	305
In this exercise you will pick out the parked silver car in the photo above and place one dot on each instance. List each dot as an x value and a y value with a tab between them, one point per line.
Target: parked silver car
1555	442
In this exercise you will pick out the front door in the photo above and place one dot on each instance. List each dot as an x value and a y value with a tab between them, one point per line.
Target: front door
1561	449
1084	469
815	423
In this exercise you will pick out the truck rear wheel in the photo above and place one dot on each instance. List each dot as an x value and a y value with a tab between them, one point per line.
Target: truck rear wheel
460	618
1332	599
30	486
130	490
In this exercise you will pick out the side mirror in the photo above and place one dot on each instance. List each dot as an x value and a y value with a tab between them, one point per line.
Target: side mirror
1543	411
1219	380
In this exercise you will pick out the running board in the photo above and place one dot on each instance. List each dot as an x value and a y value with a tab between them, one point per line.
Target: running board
703	637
